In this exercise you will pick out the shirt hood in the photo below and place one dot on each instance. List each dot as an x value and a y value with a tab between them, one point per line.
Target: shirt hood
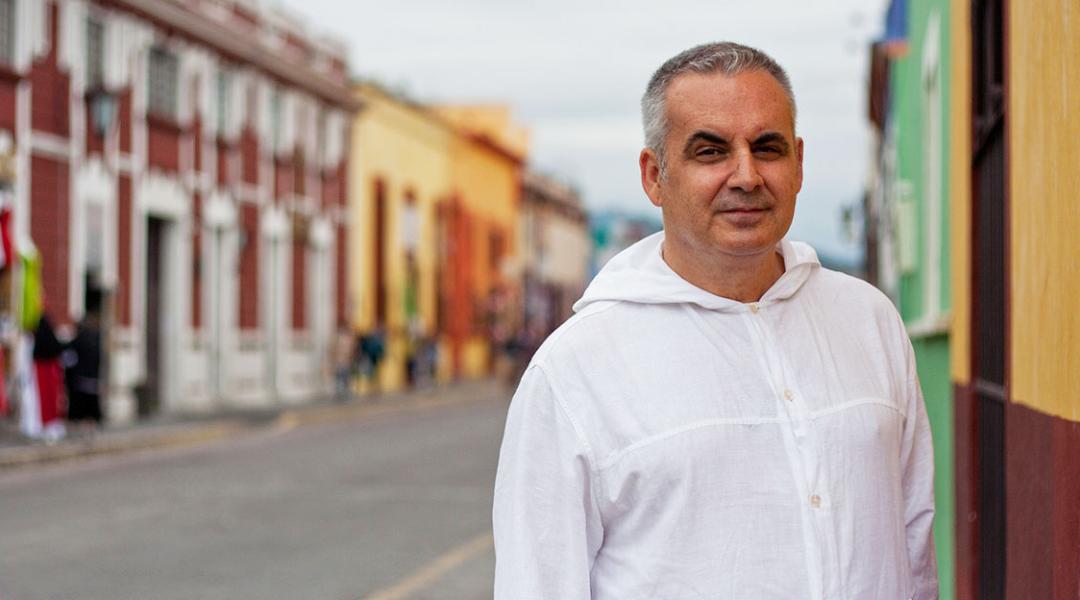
639	274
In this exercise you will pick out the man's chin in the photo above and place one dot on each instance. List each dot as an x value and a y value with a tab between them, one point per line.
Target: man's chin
746	245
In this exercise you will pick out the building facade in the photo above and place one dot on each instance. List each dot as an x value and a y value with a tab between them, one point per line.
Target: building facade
185	162
434	209
996	106
401	181
482	285
556	247
1015	358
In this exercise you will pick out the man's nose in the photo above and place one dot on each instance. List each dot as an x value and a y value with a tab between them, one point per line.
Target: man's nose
745	176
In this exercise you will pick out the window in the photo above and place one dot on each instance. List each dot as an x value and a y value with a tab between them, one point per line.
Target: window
95	54
164	71
223	84
7	31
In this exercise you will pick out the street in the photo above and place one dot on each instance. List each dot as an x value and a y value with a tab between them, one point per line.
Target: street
390	507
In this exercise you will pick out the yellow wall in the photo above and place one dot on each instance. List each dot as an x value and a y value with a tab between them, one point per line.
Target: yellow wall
409	149
493	121
960	191
1044	213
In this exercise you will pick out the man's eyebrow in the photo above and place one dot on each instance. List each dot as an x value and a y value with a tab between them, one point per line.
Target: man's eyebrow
773	137
702	135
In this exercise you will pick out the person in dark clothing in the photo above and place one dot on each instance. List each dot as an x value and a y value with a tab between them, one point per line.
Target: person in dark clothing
83	373
372	347
49	378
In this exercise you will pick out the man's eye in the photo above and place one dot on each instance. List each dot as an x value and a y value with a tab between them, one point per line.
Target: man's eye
709	152
768	151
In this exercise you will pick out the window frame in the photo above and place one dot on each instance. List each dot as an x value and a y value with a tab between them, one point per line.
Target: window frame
163	104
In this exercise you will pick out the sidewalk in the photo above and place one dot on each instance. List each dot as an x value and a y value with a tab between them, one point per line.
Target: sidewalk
184	430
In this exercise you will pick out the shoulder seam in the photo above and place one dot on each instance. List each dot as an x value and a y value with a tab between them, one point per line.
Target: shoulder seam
595	483
561	404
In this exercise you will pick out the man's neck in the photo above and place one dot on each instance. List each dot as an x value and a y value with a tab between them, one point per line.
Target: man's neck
739	278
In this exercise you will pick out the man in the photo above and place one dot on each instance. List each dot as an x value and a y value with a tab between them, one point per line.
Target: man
722	418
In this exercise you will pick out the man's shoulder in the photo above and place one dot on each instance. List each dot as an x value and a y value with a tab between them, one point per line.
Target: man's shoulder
858	303
847	287
593	331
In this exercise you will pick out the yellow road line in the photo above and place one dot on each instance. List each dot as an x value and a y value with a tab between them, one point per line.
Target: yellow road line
423	577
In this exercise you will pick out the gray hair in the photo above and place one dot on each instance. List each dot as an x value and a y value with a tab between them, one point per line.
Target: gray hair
727	58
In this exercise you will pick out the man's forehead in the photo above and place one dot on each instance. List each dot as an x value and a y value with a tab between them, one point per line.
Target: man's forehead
757	81
751	101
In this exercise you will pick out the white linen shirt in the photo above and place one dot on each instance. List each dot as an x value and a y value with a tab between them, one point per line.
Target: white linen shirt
667	443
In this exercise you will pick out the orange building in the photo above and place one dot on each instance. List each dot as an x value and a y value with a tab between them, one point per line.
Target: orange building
480	299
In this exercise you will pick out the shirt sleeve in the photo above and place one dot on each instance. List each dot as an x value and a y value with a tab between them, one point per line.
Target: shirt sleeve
917	461
545	517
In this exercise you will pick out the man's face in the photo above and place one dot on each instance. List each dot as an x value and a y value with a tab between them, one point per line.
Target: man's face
733	166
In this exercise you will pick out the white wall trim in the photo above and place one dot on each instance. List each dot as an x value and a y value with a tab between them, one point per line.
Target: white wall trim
163	196
321	232
50	145
929	326
275	223
220	211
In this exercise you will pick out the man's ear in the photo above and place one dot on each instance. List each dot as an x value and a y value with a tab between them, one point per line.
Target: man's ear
650	175
799	159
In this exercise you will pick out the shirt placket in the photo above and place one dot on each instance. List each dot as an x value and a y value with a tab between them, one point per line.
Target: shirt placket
803	450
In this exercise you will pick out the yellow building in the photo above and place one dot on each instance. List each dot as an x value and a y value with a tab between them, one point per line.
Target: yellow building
433	212
400	172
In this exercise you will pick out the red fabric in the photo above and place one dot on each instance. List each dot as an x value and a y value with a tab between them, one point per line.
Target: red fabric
50	379
5	239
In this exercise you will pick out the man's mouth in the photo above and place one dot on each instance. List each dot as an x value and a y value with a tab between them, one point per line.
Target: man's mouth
744	210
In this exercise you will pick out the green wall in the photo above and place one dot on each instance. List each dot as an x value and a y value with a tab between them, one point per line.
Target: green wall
909	115
907	111
930	353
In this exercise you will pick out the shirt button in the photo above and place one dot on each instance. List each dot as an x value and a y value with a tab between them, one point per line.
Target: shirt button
789	395
815	501
754	308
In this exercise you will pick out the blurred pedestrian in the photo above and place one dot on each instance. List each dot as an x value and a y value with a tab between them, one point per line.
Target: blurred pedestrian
723	417
82	362
49	378
372	346
344	360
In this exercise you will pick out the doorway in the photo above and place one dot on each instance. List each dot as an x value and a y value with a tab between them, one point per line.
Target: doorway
150	394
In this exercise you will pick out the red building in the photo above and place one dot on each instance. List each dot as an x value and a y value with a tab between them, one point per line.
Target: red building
185	161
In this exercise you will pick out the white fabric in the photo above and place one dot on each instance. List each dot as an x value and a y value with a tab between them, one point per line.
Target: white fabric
29	401
667	443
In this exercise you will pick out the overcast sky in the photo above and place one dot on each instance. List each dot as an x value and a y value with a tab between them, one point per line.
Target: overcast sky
574	72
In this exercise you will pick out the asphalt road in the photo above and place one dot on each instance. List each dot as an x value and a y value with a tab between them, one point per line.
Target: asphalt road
397	506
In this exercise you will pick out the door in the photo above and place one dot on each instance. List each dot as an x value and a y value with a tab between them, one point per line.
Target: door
151	391
990	280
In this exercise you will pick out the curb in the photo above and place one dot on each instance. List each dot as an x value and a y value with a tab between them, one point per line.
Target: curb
173	437
195	433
